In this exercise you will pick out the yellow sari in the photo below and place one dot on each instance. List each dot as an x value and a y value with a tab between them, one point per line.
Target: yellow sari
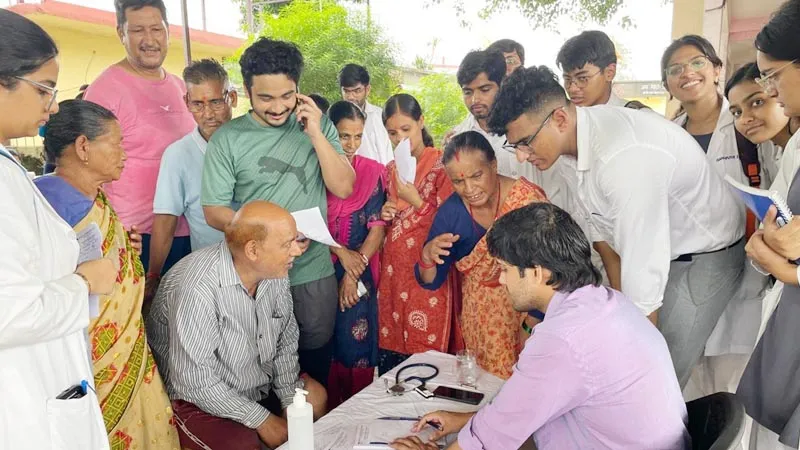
136	408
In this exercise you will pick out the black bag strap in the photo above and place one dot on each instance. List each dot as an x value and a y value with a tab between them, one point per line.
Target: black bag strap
748	156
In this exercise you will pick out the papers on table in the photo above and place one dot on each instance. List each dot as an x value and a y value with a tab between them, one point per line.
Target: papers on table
90	241
406	164
312	225
374	435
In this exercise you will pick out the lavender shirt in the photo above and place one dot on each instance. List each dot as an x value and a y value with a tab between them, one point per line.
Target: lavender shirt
595	374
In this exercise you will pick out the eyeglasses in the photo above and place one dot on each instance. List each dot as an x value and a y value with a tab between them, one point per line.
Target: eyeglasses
217	104
47	90
527	142
767	82
511	60
581	81
696	64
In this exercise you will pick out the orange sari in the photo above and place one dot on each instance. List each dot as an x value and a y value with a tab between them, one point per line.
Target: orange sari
489	322
412	319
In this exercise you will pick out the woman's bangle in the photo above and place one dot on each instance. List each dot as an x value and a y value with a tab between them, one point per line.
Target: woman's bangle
424	266
85	280
527	327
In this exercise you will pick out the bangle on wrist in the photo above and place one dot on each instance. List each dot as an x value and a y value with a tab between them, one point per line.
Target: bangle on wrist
85	280
423	265
527	328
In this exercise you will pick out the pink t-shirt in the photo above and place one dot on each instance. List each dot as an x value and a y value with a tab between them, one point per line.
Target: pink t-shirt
153	115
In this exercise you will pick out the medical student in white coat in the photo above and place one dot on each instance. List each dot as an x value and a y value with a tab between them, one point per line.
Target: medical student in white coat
690	71
44	294
650	191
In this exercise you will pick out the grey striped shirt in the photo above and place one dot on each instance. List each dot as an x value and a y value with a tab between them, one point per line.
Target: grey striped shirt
216	346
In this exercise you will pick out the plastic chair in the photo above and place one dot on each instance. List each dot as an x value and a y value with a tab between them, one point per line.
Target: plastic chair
716	421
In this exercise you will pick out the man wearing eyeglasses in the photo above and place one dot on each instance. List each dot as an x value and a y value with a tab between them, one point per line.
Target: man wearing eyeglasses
149	103
354	82
513	52
650	191
210	99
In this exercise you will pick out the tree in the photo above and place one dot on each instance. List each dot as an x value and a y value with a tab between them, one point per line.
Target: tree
442	104
329	37
543	13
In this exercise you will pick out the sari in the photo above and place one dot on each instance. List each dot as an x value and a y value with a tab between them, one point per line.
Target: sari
487	320
355	337
136	408
413	319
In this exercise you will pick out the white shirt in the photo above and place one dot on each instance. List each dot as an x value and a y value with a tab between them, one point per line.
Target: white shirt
650	191
549	180
43	341
615	100
375	143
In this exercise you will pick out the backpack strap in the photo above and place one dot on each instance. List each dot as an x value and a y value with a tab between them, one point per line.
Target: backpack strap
751	166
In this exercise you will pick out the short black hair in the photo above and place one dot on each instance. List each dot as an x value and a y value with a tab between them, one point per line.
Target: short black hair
74	118
589	47
508	46
544	235
345	110
271	57
122	6
407	105
748	72
468	141
475	63
207	69
527	89
699	42
353	74
780	36
322	103
24	48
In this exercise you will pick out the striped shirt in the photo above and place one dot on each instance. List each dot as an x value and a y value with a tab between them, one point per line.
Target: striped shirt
216	346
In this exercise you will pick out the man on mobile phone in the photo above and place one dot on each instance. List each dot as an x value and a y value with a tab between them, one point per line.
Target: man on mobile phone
595	373
287	152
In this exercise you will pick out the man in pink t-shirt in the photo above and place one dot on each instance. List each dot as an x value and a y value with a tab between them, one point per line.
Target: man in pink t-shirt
149	104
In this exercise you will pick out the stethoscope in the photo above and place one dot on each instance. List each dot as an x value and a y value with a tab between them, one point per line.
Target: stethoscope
398	388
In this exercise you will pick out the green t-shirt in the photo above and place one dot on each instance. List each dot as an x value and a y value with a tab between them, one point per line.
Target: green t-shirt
249	161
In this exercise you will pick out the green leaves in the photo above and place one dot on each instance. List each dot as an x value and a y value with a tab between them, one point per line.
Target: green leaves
442	104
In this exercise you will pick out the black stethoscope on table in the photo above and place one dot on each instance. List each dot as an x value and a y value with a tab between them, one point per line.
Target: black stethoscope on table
398	388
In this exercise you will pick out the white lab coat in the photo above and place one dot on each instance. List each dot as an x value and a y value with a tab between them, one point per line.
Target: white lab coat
45	312
375	143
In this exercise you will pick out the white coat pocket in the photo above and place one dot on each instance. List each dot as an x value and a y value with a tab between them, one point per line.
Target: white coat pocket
74	424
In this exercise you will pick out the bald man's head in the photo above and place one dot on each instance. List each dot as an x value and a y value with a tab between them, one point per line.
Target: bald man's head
265	234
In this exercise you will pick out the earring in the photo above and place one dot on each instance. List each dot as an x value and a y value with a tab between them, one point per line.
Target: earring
86	161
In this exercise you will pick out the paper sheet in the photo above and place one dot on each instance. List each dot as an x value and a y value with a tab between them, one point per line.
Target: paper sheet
406	164
90	241
374	435
312	225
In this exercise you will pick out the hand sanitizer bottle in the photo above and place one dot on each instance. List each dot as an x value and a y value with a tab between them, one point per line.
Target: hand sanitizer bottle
300	418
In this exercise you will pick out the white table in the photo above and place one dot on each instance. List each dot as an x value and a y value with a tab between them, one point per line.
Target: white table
373	402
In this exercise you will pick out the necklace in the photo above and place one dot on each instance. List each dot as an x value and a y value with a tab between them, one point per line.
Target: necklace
496	206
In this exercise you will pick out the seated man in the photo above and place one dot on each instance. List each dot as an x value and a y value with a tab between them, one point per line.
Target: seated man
596	374
225	339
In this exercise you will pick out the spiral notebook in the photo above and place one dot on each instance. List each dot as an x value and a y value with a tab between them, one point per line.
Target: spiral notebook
759	200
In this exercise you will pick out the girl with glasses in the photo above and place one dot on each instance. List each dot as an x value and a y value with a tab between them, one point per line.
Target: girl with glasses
46	381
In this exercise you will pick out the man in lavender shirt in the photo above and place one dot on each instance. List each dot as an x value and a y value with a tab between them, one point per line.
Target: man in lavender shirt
595	374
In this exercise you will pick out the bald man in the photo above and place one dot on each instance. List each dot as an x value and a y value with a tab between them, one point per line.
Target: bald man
225	339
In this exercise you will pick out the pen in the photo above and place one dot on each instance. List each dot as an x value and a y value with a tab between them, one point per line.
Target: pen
412	419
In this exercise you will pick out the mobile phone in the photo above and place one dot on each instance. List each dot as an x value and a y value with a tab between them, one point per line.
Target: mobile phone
71	392
302	121
458	395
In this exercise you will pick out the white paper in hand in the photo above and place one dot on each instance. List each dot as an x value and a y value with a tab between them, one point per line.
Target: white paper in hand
406	164
90	241
312	225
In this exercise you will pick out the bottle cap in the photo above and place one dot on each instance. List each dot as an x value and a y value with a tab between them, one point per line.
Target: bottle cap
300	397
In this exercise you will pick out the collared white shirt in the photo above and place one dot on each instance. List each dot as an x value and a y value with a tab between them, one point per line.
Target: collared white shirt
507	165
375	143
650	191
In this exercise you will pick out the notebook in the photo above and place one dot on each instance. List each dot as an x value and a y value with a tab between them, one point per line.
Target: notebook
759	200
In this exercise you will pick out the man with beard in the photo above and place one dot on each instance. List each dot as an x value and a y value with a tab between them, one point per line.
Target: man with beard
479	76
287	152
150	107
210	99
375	145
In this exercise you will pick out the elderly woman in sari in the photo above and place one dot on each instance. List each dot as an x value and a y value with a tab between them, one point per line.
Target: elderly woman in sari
84	140
489	323
356	225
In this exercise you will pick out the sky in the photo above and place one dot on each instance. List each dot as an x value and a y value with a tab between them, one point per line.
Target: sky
414	24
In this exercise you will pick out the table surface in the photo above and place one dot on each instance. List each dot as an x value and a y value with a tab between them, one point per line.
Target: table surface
373	402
